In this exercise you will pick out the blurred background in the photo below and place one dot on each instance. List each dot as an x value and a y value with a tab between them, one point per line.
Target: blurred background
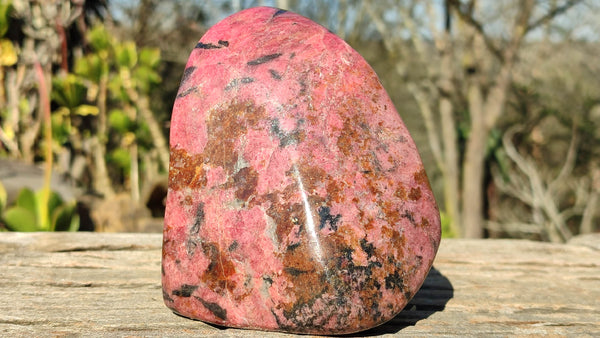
501	97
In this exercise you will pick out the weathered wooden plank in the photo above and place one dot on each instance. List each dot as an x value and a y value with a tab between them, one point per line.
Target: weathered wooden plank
91	284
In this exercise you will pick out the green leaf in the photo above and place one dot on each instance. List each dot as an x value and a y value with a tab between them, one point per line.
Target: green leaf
119	121
503	163
8	54
91	67
115	87
26	199
74	226
493	141
126	54
99	38
42	212
54	201
68	91
18	218
5	10
143	135
445	224
86	110
61	125
65	218
145	78
83	66
121	158
150	57
3	197
24	106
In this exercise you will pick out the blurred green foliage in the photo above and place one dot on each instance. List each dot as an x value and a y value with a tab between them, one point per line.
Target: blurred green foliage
446	222
110	77
99	88
8	54
28	214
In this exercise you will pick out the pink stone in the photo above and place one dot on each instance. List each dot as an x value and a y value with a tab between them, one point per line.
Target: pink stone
297	199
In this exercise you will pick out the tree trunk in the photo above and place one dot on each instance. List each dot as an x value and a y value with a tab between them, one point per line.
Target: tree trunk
450	162
101	179
160	142
134	173
102	183
587	224
473	165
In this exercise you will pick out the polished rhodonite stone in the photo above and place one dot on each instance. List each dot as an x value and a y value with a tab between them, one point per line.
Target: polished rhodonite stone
297	200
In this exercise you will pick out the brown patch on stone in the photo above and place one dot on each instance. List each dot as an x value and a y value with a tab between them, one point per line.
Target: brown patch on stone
225	127
300	261
398	239
222	154
421	177
245	180
290	191
366	165
308	282
424	223
415	194
401	193
220	270
186	170
287	217
368	225
312	176
391	233
347	138
188	200
391	212
335	191
313	119
355	132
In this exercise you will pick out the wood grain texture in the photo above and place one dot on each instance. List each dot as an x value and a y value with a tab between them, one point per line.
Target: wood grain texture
96	285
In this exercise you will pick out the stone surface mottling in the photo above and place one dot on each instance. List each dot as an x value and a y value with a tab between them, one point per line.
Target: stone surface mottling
297	200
